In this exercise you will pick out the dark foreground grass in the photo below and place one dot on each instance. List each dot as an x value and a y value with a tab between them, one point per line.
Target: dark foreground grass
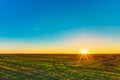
59	67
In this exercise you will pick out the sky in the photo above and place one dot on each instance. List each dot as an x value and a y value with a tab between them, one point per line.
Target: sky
59	26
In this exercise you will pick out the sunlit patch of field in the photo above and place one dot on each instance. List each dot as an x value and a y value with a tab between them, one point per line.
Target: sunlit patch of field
59	67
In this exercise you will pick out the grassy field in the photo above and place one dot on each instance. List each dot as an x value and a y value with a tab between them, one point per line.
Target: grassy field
59	67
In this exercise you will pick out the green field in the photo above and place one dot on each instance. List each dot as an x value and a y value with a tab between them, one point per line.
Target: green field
59	67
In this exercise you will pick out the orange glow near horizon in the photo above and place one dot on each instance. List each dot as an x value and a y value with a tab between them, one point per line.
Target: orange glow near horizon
73	44
59	50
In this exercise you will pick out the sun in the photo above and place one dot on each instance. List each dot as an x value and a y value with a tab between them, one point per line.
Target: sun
84	51
85	55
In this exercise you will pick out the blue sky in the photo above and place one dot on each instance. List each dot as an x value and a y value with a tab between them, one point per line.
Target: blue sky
51	20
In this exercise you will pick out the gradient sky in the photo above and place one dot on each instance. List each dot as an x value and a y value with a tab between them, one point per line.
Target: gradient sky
59	26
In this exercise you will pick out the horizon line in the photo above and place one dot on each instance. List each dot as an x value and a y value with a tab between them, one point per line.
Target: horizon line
56	53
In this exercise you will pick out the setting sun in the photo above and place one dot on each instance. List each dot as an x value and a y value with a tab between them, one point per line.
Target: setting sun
85	56
84	51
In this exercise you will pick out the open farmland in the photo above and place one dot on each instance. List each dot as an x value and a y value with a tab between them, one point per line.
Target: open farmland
59	67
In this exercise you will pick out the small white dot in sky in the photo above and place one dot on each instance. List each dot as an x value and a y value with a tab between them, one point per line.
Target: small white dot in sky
37	28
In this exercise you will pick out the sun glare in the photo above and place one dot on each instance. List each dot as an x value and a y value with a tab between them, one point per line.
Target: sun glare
85	55
84	51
